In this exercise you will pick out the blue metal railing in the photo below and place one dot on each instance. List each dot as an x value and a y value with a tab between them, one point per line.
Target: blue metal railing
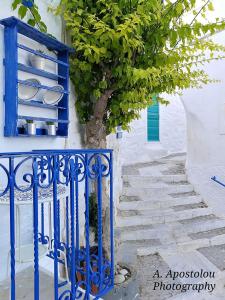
62	179
214	178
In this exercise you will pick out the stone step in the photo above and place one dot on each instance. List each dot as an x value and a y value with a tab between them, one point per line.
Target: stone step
169	235
172	170
181	156
182	207
187	262
127	252
167	167
182	244
197	220
161	184
144	211
157	204
174	230
148	266
208	233
197	224
183	259
165	236
157	191
169	159
158	217
215	254
135	180
191	244
183	194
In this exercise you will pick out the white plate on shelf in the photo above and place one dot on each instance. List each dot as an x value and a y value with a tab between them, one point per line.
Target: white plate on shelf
53	97
26	92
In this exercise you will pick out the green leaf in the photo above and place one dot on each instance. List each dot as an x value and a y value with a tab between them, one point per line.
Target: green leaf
179	8
43	26
31	22
16	3
22	11
36	14
211	7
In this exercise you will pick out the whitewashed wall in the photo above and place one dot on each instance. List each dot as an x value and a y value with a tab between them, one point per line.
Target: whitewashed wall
134	144
27	144
205	111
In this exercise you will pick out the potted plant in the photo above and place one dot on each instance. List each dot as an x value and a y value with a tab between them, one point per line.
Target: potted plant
51	128
31	127
37	61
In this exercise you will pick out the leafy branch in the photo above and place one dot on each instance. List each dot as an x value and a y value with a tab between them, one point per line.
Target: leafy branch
147	49
31	11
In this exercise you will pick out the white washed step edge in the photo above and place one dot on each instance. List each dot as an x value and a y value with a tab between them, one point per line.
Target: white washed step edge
159	218
182	246
155	191
166	203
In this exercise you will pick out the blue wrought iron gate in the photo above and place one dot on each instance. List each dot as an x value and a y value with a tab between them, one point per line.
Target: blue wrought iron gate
57	184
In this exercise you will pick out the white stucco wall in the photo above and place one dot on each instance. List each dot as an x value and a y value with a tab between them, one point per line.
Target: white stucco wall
26	144
134	144
205	111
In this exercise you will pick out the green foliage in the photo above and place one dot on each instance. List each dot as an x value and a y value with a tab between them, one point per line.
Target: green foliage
136	49
32	12
93	214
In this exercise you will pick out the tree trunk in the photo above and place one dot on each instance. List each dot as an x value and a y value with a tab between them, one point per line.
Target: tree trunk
95	138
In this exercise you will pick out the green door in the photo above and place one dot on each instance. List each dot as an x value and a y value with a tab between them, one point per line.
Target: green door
153	122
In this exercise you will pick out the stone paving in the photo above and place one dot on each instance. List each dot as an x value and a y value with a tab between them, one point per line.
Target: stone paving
148	288
25	286
171	228
215	254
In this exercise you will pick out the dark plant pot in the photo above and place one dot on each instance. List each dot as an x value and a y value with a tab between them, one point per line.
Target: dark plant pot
127	290
81	275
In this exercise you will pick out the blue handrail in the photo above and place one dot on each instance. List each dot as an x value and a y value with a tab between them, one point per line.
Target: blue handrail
217	181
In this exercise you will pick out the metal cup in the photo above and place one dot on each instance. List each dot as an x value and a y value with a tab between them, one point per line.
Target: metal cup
31	128
51	129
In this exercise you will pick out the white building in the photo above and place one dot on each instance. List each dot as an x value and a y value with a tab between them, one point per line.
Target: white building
193	123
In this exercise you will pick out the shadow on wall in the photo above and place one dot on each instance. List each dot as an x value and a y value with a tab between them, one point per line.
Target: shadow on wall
135	146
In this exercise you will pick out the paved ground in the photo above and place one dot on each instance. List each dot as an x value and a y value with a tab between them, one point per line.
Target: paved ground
163	224
149	281
25	286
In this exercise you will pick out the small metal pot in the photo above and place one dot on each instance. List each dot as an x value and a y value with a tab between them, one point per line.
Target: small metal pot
31	128
37	62
51	129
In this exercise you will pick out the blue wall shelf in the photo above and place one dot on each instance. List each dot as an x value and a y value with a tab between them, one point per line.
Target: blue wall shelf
13	27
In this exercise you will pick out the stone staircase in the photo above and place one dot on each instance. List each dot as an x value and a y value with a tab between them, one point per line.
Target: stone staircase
161	218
